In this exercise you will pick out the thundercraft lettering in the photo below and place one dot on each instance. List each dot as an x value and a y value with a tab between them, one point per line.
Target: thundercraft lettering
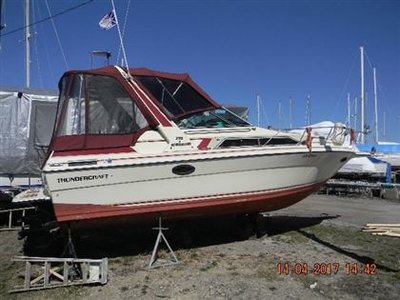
82	178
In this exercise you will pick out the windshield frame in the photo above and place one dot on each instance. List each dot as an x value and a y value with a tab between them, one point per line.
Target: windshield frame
227	122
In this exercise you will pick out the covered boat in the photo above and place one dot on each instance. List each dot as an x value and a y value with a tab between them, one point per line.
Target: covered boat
147	144
26	122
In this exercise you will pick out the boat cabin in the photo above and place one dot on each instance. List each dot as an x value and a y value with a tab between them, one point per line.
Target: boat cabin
108	108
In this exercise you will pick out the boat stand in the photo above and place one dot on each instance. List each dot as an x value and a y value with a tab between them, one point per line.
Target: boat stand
49	272
69	250
154	256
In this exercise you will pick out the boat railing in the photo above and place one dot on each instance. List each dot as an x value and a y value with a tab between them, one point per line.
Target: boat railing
335	134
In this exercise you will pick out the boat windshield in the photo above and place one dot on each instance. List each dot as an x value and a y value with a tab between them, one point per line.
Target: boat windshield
177	97
212	119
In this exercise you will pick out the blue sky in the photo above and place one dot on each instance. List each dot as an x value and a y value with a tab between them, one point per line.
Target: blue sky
233	49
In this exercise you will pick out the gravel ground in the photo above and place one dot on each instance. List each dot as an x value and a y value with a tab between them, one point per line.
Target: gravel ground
314	249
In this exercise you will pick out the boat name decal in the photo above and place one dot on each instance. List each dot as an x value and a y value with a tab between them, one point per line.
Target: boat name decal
82	178
181	144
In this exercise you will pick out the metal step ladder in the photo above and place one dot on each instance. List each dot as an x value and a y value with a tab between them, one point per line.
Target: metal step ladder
49	272
11	212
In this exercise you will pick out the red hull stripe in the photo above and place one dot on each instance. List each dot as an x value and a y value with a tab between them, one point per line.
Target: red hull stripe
181	209
204	144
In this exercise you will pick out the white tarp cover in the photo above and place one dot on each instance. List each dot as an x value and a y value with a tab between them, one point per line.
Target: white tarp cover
26	125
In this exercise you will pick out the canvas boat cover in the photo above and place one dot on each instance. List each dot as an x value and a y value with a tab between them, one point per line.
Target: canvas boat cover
26	125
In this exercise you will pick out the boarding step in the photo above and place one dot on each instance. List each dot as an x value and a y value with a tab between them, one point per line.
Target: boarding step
12	220
50	272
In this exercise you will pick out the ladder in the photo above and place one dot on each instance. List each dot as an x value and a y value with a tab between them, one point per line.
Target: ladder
10	212
50	272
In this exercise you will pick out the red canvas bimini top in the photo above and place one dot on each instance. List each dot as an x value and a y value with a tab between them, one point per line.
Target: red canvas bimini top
101	109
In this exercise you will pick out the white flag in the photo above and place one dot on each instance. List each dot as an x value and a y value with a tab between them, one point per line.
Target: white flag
108	21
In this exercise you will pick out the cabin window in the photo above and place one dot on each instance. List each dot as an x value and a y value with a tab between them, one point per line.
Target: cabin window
99	105
229	143
177	97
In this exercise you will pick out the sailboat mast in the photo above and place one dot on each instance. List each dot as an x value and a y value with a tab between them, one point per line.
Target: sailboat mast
290	113
308	110
258	110
27	45
355	113
384	125
376	108
362	95
348	110
279	114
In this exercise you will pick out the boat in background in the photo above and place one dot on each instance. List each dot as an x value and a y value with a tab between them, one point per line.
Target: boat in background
26	122
388	152
365	168
145	144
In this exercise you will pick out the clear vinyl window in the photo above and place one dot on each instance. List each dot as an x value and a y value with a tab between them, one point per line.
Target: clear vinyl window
99	105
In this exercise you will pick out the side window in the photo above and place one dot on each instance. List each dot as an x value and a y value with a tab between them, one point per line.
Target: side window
73	122
111	110
99	105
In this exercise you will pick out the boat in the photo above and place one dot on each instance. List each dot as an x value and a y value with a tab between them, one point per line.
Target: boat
26	121
365	168
143	144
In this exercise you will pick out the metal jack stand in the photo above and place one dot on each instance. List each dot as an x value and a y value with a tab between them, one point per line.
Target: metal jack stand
69	250
154	257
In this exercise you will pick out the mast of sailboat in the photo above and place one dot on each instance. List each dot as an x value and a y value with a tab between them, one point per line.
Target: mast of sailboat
384	125
279	114
376	108
27	45
355	113
290	113
308	110
2	26
362	96
348	110
258	110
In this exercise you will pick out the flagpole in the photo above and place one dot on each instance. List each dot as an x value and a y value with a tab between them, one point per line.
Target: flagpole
120	38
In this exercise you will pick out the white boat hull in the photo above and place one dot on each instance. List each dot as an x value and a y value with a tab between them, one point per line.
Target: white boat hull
142	181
